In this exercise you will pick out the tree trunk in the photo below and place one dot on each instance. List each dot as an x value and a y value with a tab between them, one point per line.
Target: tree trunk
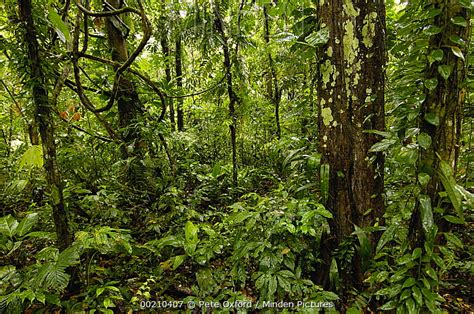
179	80
44	120
441	111
166	53
129	107
230	91
350	93
275	92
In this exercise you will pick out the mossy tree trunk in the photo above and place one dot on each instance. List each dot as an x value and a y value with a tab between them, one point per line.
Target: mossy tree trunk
350	94
44	121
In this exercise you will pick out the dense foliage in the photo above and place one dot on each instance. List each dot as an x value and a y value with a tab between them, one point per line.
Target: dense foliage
158	150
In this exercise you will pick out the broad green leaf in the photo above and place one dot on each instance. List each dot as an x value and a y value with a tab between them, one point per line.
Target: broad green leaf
59	26
437	54
432	118
449	183
239	217
8	226
191	236
27	223
416	253
459	20
423	178
445	71
272	285
318	38
177	261
382	145
32	157
68	257
432	273
439	261
426	213
409	282
386	237
424	140
431	83
433	30
466	4
457	52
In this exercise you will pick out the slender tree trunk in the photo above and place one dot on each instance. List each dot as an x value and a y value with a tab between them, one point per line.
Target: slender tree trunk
129	107
275	92
44	120
350	93
166	53
230	90
441	111
179	80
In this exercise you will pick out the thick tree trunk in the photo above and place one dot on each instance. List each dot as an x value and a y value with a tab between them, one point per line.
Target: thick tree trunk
44	120
129	107
350	93
441	112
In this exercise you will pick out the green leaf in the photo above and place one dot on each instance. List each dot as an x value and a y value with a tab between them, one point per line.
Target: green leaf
416	292
177	261
449	183
365	247
324	177
432	118
191	237
432	273
320	37
423	178
272	285
433	30
32	157
411	306
439	261
8	226
445	70
437	54
431	83
466	4
459	20
382	145
386	237
454	219
27	223
59	26
426	214
391	305
453	239
416	253
409	282
68	257
457	40
457	52
424	140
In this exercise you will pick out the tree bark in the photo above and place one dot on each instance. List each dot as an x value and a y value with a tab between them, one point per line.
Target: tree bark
350	94
219	24
179	80
129	107
441	111
44	120
275	92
